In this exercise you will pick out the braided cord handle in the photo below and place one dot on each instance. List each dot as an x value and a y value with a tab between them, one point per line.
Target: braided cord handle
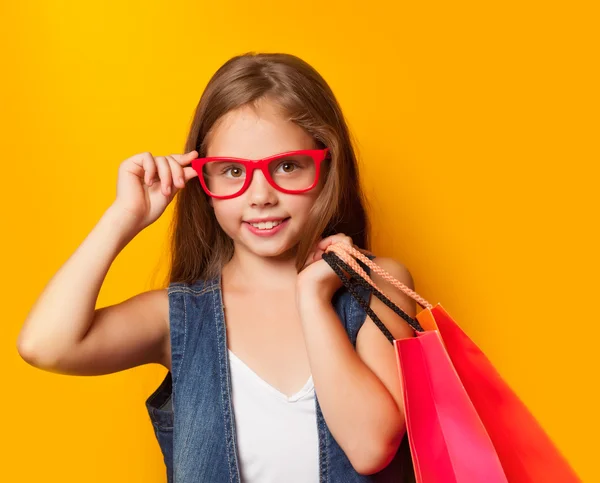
337	264
342	249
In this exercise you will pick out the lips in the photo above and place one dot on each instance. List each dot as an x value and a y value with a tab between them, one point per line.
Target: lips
264	220
265	232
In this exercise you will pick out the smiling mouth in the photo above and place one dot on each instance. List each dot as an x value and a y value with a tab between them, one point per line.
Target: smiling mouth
268	225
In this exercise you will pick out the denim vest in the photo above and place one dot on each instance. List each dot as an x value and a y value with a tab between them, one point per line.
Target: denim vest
191	410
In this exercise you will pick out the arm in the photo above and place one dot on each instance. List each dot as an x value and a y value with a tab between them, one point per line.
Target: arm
359	391
64	333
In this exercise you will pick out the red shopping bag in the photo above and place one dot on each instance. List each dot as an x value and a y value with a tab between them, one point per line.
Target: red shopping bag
462	418
526	451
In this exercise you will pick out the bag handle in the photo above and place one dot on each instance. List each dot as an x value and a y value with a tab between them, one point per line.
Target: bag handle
335	262
345	252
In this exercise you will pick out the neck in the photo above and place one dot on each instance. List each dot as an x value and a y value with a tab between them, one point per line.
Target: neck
249	271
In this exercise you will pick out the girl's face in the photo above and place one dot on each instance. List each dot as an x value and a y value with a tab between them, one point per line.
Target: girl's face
255	134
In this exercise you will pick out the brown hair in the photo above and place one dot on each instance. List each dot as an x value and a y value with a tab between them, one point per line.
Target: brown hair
199	246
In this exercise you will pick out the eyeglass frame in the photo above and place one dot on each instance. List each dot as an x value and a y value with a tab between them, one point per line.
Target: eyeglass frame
318	156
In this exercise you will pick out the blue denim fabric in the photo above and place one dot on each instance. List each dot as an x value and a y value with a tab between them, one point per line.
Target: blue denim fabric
191	411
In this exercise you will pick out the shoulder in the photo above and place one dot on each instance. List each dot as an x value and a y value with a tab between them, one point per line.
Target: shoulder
401	273
157	304
395	324
396	269
157	299
152	302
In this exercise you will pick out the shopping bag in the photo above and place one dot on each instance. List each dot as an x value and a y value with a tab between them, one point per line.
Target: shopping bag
468	405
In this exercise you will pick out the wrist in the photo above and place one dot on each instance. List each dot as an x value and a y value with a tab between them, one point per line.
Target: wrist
121	222
310	297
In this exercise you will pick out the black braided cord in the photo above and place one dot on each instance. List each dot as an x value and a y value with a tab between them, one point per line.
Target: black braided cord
414	323
337	264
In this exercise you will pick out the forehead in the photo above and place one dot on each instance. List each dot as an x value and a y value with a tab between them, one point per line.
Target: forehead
256	132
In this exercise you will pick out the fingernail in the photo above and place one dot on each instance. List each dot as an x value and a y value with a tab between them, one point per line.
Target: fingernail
181	181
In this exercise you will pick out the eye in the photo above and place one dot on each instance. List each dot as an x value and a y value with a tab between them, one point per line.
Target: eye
288	167
236	171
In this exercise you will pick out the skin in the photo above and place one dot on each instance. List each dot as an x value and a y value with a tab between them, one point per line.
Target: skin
253	134
262	274
280	323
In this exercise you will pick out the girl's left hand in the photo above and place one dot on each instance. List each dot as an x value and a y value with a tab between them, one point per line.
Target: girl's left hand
317	277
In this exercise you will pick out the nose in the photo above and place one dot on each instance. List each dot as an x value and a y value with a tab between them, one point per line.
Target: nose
260	192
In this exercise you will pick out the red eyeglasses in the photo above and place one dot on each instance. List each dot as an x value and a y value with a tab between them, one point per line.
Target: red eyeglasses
290	172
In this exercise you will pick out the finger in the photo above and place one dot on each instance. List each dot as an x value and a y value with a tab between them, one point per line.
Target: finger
312	255
311	258
337	238
164	173
185	159
189	173
318	255
149	166
325	242
176	173
143	166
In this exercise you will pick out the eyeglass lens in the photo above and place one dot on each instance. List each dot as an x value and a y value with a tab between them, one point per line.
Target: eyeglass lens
294	172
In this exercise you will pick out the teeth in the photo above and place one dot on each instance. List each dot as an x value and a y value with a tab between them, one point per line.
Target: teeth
266	225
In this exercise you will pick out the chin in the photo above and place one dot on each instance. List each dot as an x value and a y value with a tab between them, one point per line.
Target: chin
271	248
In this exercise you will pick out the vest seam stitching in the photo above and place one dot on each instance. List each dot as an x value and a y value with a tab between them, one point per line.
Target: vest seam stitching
184	341
353	329
327	451
221	329
212	288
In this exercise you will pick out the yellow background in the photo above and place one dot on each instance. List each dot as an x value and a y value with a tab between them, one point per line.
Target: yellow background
477	126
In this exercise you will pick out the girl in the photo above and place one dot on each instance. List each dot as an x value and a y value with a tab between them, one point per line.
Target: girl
275	373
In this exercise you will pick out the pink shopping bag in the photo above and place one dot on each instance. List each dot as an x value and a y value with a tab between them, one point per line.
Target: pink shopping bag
464	422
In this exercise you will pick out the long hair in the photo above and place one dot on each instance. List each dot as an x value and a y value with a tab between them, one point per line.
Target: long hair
199	246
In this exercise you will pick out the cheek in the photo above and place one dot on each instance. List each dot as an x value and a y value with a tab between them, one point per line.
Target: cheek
227	214
299	206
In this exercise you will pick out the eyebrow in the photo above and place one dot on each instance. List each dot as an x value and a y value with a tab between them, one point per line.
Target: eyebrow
264	157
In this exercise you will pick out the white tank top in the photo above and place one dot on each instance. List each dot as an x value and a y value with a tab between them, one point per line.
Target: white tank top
277	438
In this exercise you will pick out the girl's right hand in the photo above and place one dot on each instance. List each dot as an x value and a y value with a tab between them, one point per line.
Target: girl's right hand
147	184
